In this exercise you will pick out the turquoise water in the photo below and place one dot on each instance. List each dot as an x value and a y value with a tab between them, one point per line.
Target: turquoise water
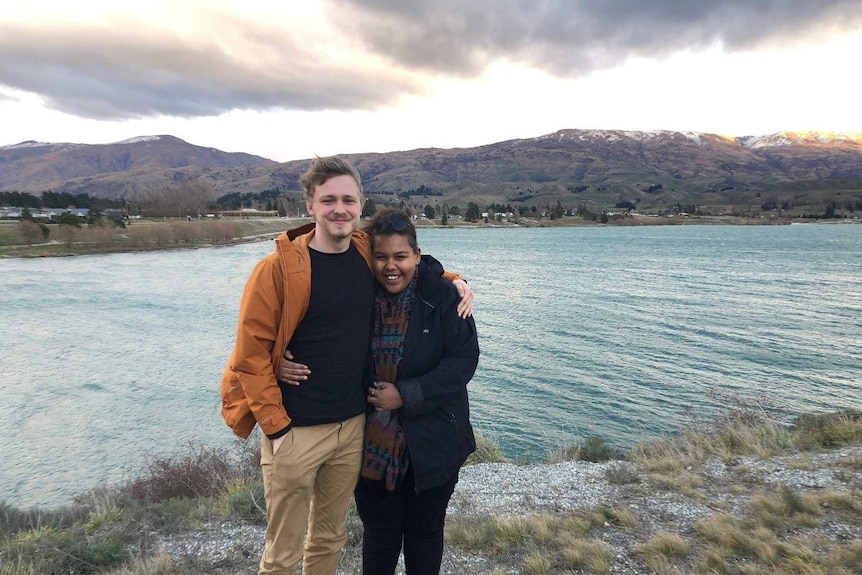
613	331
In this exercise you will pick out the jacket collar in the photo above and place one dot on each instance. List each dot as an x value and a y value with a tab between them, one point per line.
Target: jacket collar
429	271
300	236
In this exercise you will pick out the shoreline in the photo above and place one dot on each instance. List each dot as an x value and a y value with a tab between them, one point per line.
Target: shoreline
740	493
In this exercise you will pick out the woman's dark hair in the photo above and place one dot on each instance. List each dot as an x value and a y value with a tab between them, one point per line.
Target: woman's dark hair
390	222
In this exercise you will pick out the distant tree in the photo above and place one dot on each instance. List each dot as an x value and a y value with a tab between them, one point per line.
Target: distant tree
95	218
67	234
30	231
25	214
444	219
65	200
187	199
472	214
231	201
369	208
429	211
557	212
19	200
69	219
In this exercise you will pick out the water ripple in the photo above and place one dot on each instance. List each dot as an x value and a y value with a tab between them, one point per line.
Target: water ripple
612	331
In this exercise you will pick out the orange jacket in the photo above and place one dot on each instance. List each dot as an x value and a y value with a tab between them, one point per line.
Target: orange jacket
274	301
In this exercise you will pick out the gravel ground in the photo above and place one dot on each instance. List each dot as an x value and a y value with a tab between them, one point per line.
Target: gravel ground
518	490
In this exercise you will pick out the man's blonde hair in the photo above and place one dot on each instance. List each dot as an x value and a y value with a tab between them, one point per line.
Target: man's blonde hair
324	169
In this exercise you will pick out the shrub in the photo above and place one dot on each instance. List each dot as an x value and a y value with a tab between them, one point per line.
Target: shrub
50	551
13	520
244	500
30	231
749	410
828	430
201	472
67	233
593	449
486	452
622	473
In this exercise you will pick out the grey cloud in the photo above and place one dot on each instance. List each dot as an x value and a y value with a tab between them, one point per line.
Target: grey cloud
128	72
124	75
573	37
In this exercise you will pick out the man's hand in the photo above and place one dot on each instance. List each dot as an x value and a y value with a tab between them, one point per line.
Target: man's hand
384	396
465	306
293	373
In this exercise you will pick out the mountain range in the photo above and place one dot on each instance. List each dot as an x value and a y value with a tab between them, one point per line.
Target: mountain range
596	168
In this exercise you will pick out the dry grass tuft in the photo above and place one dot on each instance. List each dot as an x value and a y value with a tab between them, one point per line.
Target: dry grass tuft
160	564
538	563
588	555
486	452
660	549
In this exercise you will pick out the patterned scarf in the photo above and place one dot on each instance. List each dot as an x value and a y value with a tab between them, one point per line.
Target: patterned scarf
385	453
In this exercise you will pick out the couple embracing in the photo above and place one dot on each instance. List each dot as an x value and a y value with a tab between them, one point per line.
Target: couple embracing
353	353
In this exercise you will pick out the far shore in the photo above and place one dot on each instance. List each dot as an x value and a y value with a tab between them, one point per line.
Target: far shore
257	229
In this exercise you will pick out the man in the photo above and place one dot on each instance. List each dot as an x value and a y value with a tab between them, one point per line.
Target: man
314	293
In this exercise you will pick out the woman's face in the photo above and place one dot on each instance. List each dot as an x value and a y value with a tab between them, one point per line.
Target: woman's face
394	262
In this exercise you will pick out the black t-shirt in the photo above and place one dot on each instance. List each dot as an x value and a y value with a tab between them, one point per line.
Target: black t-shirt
332	340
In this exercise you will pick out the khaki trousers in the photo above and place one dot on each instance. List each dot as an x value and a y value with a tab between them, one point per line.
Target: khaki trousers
308	484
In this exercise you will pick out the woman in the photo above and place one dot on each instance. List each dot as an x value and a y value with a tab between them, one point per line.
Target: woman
418	431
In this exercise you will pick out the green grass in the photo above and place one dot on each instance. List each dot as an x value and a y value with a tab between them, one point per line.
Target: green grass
9	235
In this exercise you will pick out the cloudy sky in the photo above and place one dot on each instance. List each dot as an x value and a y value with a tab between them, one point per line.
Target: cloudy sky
290	79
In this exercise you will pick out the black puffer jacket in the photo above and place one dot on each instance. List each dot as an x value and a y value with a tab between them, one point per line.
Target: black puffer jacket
441	352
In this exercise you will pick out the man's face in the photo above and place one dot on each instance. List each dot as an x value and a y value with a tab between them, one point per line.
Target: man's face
336	208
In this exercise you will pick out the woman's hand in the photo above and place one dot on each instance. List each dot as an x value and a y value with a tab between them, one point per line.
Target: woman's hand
384	396
290	372
465	306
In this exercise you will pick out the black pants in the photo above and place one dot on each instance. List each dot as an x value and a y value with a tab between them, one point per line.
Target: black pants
414	519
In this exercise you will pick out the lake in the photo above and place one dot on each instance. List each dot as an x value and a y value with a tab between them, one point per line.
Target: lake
615	331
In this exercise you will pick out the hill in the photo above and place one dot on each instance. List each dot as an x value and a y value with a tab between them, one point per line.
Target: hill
591	168
122	169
